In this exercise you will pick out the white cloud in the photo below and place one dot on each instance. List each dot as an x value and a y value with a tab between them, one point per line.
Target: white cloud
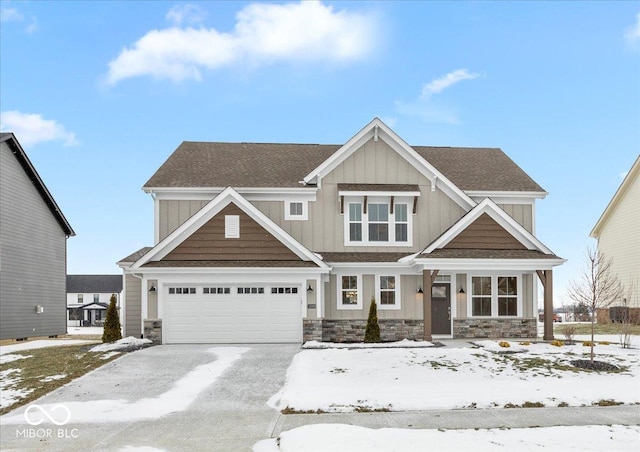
440	84
10	15
429	109
263	33
31	129
633	33
186	13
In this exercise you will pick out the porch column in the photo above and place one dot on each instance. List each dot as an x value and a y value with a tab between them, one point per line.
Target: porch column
546	277
427	281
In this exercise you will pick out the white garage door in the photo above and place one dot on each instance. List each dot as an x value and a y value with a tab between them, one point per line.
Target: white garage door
232	314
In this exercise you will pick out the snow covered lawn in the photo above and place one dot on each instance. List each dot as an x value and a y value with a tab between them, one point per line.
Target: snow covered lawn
340	437
339	380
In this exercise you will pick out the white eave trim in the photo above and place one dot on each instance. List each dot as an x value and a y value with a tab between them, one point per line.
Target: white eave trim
241	190
501	217
212	208
461	265
377	128
507	194
633	173
234	270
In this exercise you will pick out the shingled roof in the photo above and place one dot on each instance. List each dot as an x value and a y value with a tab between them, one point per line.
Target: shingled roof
94	283
215	164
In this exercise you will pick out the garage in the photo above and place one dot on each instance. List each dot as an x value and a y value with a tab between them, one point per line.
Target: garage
232	313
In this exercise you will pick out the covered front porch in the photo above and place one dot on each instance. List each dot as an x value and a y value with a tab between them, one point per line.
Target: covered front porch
487	297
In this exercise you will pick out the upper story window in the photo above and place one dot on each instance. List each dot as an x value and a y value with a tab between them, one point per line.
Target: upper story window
295	210
96	298
80	298
381	225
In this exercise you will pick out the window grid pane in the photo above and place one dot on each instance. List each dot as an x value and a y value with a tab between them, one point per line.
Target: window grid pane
349	290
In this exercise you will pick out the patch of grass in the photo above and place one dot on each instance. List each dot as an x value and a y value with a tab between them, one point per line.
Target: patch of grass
563	405
557	343
599	328
607	402
366	409
72	361
525	405
289	410
533	405
338	370
447	365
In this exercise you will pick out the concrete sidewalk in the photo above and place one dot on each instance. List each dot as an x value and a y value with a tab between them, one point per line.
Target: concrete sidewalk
470	419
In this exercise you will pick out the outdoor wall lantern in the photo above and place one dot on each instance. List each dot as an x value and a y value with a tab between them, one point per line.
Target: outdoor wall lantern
420	290
152	288
309	289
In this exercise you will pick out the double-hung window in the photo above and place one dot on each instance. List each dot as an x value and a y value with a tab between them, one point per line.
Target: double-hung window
507	296
495	296
402	225
381	223
378	222
349	292
355	222
481	296
388	291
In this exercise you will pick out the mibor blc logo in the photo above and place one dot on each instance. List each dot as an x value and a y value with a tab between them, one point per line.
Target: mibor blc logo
58	415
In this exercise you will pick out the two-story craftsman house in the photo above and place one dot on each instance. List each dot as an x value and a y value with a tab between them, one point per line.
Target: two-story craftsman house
258	242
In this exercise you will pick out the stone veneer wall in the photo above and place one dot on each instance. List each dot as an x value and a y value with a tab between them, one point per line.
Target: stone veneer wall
311	330
474	328
353	330
153	330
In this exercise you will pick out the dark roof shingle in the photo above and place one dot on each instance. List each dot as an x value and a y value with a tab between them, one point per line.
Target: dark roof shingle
94	283
215	164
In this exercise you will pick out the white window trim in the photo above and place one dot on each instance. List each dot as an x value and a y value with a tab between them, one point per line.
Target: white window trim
287	210
358	305
365	221
494	295
388	307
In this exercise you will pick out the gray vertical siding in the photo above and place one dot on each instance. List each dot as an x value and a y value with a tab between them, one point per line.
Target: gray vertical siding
522	213
173	213
133	306
32	258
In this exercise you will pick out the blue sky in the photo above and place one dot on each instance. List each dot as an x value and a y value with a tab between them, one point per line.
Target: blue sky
100	94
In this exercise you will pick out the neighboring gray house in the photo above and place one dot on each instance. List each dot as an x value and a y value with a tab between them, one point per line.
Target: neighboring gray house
88	297
269	242
33	249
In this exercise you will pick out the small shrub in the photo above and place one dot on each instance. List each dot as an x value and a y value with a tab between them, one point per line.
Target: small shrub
504	344
604	343
372	333
607	402
588	344
557	343
569	332
563	405
111	332
525	343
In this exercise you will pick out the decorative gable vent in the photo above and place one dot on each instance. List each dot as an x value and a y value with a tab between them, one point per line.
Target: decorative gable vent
232	226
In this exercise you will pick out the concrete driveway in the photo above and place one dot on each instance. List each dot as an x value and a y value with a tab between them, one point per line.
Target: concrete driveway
142	395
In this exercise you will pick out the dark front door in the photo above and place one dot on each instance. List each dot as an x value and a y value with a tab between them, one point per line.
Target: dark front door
440	309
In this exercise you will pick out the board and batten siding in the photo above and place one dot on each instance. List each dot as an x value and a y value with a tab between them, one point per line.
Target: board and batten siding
619	241
522	213
374	163
32	258
172	213
133	306
410	302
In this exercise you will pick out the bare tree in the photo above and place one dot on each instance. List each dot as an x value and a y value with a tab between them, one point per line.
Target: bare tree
596	286
626	320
